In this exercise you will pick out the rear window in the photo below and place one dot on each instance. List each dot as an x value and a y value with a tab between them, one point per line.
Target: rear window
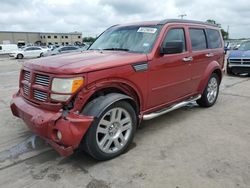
198	39
214	39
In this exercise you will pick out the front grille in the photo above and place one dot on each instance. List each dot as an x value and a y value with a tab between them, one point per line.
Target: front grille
240	61
42	80
26	90
35	86
26	76
40	95
246	61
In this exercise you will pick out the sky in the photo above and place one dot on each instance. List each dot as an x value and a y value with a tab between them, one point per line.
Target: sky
91	17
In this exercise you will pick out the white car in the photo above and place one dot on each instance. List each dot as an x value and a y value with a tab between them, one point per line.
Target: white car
29	52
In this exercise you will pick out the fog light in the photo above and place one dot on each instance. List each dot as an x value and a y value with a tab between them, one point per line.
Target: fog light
58	135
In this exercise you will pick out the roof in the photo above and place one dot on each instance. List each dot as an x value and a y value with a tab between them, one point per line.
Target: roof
163	22
166	21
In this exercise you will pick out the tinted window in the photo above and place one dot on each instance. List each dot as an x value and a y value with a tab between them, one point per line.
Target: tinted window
0	47
72	48
28	49
214	39
198	39
175	35
64	48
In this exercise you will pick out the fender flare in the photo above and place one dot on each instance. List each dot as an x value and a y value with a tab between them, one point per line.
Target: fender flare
97	106
213	66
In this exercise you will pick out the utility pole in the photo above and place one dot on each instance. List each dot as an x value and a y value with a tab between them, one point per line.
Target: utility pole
182	16
228	32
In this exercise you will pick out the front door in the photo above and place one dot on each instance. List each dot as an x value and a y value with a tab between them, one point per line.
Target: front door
170	75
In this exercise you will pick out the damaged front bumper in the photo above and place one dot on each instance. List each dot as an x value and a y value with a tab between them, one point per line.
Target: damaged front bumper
63	133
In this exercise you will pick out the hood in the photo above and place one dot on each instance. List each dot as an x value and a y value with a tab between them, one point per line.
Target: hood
239	54
82	62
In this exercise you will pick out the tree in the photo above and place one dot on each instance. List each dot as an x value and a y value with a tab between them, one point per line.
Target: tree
88	39
223	32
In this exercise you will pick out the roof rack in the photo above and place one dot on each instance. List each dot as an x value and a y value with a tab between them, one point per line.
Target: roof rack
163	22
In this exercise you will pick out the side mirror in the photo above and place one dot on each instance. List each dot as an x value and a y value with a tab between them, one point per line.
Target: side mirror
172	47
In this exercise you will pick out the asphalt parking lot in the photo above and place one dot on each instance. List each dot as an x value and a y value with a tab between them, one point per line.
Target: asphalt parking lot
189	148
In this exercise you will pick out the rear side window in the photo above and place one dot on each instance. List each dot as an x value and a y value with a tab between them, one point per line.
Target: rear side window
198	39
174	35
214	39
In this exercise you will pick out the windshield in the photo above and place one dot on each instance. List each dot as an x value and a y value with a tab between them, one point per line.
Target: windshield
244	46
138	39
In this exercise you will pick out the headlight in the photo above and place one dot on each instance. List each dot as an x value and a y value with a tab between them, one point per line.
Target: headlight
65	86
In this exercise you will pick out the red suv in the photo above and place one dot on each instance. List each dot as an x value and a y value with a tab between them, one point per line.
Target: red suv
95	99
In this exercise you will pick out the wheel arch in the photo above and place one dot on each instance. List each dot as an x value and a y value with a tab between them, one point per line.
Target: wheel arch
102	89
213	67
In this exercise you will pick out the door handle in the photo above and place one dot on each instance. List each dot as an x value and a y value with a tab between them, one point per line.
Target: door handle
209	55
187	59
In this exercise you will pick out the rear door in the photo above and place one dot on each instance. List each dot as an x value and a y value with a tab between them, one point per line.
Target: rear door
28	52
215	44
36	52
201	55
169	75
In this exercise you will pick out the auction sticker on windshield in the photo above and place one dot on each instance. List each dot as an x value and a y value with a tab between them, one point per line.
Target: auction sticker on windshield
147	30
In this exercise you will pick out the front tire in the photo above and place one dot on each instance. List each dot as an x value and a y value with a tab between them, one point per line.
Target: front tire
210	93
19	56
111	133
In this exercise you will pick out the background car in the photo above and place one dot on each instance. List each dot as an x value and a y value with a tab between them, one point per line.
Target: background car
7	48
29	52
239	60
63	49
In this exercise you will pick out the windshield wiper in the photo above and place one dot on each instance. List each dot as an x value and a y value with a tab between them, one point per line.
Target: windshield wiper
116	49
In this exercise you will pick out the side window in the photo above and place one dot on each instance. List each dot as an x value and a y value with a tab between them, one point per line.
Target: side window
64	49
214	39
0	47
198	39
28	49
73	48
175	35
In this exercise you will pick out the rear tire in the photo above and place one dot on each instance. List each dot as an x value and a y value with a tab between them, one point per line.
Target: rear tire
111	133
210	93
19	56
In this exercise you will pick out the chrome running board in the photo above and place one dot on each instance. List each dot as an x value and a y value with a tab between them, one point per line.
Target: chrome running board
171	108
